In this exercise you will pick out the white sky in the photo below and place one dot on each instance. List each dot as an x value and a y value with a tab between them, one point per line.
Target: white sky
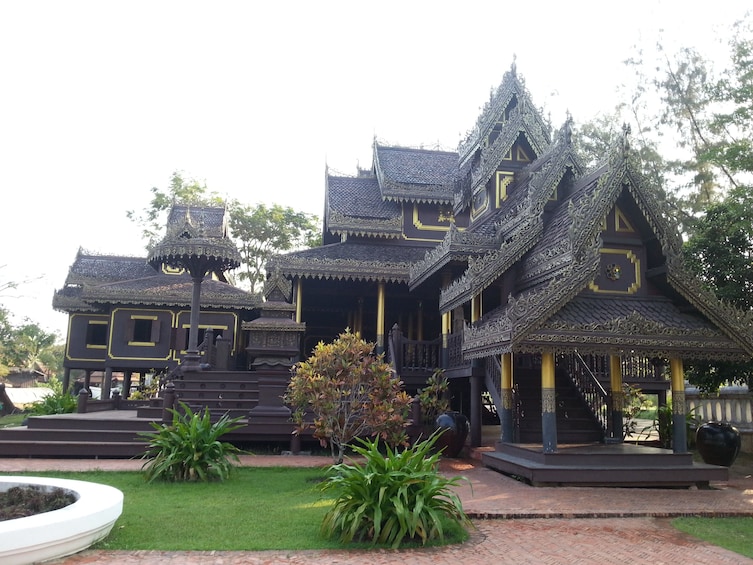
102	100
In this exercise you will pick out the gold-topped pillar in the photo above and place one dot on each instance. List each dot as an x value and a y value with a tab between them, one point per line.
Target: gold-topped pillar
299	300
476	379
548	404
679	429
380	318
618	396
506	416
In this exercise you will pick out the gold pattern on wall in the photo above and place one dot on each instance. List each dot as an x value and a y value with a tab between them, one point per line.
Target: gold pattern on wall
444	215
502	181
168	270
612	272
521	154
621	223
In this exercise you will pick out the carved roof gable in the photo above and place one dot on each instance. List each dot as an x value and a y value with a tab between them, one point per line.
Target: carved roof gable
518	225
567	258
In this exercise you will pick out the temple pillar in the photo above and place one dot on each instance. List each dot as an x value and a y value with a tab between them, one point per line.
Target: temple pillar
506	415
476	389
618	396
67	379
106	384
548	404
380	318
446	325
359	318
420	322
679	427
299	300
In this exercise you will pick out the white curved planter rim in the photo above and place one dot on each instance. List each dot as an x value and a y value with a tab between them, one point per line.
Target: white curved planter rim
61	532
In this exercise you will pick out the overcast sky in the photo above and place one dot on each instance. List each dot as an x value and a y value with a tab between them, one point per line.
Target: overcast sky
102	100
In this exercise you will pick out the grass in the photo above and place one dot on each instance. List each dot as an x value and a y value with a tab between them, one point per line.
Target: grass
735	534
13	420
256	509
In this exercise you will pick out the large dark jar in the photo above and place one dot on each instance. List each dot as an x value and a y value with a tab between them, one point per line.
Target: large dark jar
718	443
454	427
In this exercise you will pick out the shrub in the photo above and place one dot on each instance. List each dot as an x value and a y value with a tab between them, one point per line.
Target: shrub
392	498
189	449
56	403
433	397
351	393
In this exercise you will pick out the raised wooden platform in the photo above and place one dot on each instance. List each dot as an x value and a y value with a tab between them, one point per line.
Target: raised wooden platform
602	465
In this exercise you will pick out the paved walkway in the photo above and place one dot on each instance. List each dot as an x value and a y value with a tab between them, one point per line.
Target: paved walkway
515	523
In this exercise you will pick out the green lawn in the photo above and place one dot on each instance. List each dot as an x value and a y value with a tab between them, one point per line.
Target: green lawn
256	509
735	534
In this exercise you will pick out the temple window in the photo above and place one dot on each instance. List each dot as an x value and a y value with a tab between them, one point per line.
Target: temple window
96	334
143	330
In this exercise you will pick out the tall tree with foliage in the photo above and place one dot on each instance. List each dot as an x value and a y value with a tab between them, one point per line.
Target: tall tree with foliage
262	231
183	190
259	231
720	251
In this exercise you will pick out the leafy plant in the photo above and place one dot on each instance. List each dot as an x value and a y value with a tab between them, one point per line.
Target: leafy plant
189	449
634	402
350	392
433	397
56	403
392	497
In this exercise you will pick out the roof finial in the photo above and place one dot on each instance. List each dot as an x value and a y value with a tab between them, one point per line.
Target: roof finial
625	138
514	66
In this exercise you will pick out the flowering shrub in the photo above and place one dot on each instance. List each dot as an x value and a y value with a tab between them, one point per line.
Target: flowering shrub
350	393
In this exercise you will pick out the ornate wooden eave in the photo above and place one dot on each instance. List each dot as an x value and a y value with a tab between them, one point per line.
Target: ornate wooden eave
504	329
342	224
165	290
634	333
736	324
346	261
485	269
457	246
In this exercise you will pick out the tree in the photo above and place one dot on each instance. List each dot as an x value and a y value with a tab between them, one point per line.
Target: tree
720	251
181	190
265	231
702	120
28	347
260	231
350	392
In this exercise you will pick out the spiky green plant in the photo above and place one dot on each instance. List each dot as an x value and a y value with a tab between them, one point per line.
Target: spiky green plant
189	449
393	497
56	403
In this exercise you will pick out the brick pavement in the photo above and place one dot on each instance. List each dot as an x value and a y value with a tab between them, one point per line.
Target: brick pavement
515	523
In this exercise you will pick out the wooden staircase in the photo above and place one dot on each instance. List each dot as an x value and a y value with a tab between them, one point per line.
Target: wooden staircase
575	420
101	432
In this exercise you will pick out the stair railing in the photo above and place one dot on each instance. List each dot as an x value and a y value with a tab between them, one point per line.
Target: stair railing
590	389
493	381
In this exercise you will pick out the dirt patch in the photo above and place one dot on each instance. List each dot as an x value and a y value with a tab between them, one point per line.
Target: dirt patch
27	500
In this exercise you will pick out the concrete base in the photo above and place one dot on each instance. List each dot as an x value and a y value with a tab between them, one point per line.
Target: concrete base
55	534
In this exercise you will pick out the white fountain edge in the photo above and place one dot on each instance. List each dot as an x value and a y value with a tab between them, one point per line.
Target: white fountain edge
55	534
